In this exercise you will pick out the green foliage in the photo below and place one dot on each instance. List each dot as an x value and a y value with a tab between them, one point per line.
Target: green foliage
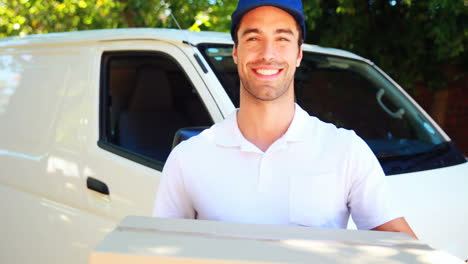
22	17
411	40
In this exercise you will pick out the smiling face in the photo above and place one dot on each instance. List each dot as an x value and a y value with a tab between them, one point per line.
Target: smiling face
267	53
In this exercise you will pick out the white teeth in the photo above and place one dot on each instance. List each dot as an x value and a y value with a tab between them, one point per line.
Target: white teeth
267	71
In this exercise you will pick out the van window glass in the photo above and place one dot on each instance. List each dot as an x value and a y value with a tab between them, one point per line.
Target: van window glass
355	95
147	97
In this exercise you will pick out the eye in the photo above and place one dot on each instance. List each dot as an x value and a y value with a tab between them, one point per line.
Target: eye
252	39
284	39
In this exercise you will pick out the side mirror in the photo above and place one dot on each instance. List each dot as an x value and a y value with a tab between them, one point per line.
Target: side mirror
186	133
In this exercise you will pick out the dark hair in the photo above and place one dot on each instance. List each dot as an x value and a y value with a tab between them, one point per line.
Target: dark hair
236	39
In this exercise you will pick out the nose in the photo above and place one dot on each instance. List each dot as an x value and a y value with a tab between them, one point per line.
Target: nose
268	51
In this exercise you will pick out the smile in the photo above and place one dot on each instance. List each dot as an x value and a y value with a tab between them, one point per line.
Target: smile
267	72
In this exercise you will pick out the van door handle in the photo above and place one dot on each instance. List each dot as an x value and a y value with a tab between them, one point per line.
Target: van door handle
97	185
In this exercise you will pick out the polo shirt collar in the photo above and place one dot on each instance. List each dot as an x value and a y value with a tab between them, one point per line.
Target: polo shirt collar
297	129
228	133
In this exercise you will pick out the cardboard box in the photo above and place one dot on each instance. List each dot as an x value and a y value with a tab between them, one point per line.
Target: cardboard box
145	240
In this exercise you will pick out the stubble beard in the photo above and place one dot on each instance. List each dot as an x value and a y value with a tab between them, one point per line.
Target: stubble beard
276	93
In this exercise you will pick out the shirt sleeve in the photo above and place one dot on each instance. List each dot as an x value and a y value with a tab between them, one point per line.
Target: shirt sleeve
172	200
369	198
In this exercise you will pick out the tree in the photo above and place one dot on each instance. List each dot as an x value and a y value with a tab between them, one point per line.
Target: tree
22	17
412	40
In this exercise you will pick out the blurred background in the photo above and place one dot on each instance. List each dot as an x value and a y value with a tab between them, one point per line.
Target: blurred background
420	44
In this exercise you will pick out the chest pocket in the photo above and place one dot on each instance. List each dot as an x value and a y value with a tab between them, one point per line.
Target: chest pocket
314	200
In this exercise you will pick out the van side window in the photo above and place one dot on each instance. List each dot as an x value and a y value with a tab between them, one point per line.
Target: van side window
145	99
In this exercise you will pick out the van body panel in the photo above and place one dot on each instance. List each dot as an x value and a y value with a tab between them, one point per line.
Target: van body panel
437	195
39	230
27	86
41	157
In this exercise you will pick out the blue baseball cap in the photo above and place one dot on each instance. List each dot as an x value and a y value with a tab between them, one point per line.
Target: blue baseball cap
293	7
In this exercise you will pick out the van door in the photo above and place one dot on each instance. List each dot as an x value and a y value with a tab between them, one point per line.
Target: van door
147	91
41	199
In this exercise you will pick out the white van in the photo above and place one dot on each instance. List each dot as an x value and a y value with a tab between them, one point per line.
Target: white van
88	119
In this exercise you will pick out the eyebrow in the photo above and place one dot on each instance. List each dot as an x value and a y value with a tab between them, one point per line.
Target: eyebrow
251	30
286	31
258	31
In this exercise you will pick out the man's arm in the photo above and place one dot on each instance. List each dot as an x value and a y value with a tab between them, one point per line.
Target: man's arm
396	225
172	200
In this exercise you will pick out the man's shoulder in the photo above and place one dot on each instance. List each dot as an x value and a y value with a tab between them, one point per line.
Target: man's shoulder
205	138
338	137
329	130
199	149
208	138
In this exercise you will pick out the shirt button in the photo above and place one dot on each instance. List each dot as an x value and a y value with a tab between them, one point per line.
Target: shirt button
264	175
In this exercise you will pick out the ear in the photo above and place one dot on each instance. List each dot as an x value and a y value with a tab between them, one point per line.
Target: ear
299	57
234	53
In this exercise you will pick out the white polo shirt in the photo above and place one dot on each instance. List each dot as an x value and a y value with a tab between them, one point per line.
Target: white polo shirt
314	175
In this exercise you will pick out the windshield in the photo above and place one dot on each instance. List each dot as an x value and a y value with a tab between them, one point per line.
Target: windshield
354	95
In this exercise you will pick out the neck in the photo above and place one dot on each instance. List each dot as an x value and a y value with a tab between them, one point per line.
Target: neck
263	122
